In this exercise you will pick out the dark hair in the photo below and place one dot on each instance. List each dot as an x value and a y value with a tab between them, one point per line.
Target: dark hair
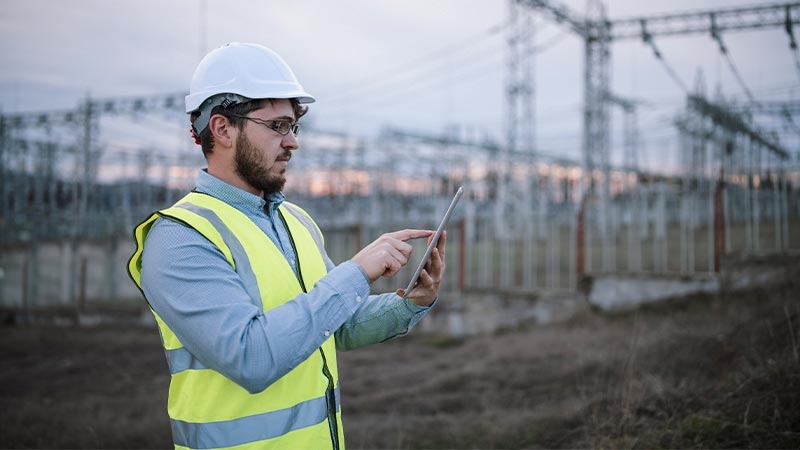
239	109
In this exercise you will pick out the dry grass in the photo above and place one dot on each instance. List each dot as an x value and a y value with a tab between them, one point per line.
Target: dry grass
699	373
702	372
83	388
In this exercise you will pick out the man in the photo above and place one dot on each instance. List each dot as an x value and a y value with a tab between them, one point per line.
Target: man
250	308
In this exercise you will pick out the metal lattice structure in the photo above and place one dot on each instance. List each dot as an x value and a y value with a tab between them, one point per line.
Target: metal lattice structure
530	222
512	199
598	33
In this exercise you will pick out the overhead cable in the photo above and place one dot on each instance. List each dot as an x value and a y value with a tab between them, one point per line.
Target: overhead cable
421	62
423	67
753	102
648	39
408	88
468	71
551	42
796	57
715	34
792	41
403	78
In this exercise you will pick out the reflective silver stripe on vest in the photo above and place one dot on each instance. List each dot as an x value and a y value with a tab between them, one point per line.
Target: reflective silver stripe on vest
306	222
180	359
251	428
243	267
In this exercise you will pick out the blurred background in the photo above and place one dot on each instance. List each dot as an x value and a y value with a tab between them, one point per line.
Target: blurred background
625	137
613	154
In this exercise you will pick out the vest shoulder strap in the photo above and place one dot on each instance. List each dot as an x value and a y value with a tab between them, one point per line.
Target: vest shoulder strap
305	219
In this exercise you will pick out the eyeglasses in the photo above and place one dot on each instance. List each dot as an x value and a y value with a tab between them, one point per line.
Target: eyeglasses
280	126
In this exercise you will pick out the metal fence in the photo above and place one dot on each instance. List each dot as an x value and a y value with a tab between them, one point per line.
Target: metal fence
656	229
69	200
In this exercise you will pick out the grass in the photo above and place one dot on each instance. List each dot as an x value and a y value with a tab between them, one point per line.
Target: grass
733	390
64	387
704	372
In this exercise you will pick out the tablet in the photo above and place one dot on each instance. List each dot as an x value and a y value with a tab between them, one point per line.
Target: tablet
433	242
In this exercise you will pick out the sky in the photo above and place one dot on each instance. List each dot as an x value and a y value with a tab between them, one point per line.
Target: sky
431	66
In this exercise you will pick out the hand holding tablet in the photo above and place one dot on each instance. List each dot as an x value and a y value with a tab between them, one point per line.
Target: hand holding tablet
433	242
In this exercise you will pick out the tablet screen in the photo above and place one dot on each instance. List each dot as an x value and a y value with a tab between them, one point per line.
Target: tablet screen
433	242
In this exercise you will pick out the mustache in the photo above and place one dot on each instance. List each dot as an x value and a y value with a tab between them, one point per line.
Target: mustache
285	156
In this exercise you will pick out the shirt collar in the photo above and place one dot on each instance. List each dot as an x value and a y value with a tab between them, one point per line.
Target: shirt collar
238	198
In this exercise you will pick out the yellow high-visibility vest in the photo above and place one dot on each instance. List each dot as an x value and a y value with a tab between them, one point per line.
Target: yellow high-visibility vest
208	410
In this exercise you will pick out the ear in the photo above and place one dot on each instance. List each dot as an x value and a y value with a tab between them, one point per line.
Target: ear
224	133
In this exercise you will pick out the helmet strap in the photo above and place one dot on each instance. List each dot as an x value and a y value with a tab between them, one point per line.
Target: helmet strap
224	100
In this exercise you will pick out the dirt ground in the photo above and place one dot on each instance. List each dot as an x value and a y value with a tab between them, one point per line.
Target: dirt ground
704	372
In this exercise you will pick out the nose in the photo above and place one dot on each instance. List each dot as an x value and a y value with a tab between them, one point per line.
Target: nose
289	142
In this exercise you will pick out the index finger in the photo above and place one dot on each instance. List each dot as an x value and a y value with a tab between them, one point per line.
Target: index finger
407	234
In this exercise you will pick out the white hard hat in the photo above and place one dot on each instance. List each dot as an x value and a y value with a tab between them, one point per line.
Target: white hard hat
237	72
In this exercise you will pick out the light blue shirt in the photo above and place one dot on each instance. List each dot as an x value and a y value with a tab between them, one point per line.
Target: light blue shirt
191	286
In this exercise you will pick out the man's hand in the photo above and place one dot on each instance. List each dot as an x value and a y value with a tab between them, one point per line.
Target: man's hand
385	256
427	287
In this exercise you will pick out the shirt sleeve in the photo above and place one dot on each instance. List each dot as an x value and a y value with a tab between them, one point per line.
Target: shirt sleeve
378	319
190	285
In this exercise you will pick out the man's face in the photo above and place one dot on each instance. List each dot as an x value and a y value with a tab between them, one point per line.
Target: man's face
262	154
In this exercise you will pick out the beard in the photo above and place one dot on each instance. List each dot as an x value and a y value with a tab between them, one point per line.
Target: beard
250	165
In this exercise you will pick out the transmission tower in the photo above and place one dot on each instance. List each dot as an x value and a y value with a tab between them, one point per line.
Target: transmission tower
512	202
34	167
598	32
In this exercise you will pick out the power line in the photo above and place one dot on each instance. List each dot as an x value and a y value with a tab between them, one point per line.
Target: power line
648	39
788	27
696	22
779	90
472	72
405	73
551	42
788	89
715	34
412	73
796	57
415	64
394	95
724	118
753	102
